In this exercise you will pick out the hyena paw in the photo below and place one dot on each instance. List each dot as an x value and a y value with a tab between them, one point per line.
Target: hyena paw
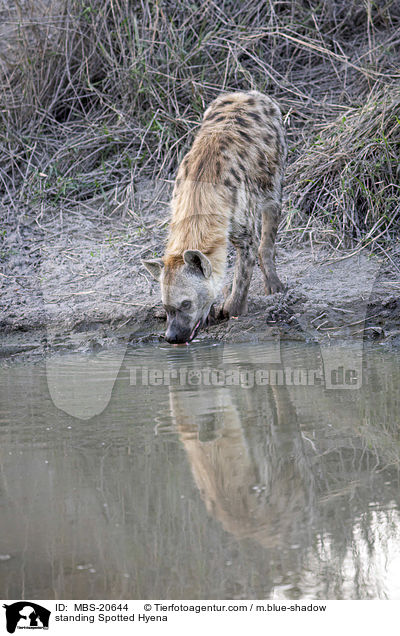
273	285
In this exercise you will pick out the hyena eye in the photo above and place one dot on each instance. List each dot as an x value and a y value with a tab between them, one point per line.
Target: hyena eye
186	304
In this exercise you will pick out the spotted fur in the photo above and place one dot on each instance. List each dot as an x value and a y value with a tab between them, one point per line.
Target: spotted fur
228	187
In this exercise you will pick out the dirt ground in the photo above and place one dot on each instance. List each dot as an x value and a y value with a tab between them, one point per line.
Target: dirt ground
74	281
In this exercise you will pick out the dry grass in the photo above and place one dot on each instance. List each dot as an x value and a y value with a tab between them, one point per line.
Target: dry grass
98	94
346	183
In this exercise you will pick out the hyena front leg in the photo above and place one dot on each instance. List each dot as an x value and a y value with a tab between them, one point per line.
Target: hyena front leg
236	303
270	211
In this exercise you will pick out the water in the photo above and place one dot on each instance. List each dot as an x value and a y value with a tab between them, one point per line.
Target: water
240	471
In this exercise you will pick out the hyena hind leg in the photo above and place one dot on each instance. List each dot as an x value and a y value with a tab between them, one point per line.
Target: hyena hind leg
270	211
236	303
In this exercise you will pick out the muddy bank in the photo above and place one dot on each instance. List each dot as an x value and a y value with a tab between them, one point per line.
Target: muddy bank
76	282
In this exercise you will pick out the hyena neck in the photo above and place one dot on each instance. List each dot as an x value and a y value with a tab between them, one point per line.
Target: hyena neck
200	220
218	262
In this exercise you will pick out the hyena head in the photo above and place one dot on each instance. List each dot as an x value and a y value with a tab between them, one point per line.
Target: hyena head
187	290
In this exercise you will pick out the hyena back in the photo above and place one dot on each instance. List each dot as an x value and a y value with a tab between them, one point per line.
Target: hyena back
228	187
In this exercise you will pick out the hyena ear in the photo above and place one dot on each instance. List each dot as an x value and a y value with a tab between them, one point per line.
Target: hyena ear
154	267
198	260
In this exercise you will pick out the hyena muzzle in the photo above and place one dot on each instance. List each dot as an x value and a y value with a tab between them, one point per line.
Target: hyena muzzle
228	187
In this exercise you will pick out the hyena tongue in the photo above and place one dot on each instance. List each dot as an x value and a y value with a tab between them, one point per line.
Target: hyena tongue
193	332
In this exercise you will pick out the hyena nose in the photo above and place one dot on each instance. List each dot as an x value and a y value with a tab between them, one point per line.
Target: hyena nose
173	337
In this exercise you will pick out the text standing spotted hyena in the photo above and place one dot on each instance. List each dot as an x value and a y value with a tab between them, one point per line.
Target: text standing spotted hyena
228	187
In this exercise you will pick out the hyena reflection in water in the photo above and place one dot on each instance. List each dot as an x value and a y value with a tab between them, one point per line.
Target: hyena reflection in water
254	480
228	187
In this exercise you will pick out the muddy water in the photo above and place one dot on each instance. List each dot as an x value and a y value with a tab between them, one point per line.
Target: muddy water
201	472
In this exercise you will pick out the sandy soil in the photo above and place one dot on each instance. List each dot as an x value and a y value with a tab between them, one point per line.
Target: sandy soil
75	281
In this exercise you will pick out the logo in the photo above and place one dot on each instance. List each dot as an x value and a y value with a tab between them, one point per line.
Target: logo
26	615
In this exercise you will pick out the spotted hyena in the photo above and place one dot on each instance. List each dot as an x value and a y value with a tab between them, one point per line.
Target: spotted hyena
228	187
